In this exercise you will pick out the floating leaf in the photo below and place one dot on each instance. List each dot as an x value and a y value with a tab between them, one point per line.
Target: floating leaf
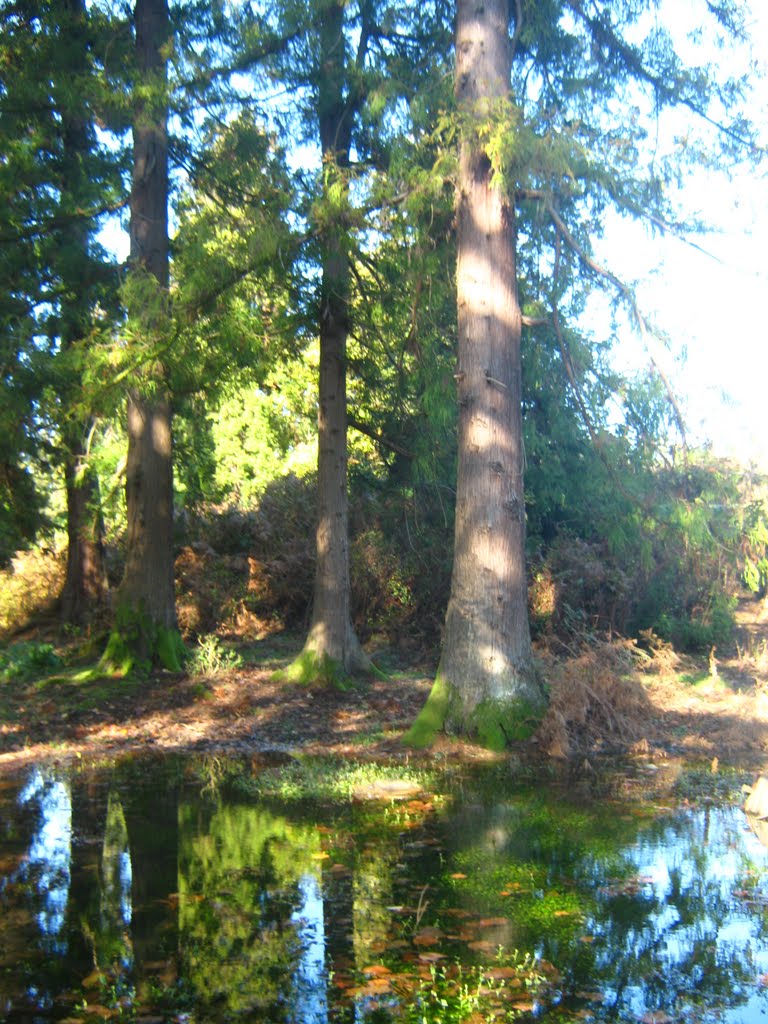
374	987
484	946
101	1011
376	971
428	936
523	1005
94	979
503	974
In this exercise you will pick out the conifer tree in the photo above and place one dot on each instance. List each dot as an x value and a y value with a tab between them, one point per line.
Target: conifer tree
145	629
85	585
58	285
561	135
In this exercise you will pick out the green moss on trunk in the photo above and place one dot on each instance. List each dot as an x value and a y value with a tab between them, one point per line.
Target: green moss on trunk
137	645
493	724
432	717
497	724
311	669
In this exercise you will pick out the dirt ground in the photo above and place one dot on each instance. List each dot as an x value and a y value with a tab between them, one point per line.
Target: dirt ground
610	698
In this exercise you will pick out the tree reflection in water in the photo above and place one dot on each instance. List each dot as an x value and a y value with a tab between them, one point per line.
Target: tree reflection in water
281	912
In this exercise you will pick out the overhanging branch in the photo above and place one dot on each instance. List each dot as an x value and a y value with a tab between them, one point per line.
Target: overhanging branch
628	296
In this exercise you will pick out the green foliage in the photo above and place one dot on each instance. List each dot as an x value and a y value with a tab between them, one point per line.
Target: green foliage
459	994
28	660
702	629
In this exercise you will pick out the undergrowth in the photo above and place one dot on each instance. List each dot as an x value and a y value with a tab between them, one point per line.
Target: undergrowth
596	700
29	587
28	661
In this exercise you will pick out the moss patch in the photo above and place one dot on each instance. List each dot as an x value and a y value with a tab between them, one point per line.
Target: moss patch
498	723
432	717
494	724
312	669
136	645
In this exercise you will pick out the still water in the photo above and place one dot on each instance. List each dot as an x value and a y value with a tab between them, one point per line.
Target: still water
138	893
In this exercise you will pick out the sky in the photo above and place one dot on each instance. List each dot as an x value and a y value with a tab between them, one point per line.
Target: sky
713	304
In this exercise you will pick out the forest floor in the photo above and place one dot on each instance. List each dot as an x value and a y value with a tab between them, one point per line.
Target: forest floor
609	697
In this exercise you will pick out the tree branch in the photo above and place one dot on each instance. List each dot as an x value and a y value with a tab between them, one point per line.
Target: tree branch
378	437
628	296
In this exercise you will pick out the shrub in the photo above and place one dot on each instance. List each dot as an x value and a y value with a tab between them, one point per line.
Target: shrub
29	588
28	661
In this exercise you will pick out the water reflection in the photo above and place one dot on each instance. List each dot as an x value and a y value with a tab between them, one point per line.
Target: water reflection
170	905
310	1002
48	860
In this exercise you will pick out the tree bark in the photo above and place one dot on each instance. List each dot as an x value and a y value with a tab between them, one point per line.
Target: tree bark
332	645
145	627
486	684
85	590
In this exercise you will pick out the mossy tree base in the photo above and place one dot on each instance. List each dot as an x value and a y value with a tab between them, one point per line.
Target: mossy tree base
137	645
433	716
311	668
494	724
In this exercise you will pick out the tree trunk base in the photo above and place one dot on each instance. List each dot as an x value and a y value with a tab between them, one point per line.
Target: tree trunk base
494	724
315	668
137	645
432	717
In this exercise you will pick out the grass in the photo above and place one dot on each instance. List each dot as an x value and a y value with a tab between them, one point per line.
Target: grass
328	780
83	689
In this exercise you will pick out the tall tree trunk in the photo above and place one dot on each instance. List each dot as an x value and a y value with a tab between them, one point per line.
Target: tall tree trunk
85	587
332	646
485	684
145	619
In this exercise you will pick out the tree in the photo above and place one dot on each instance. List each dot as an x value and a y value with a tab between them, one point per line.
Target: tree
331	645
145	627
56	184
85	586
566	143
486	684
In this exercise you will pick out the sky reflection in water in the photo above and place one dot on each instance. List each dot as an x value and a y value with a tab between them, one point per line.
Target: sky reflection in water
272	913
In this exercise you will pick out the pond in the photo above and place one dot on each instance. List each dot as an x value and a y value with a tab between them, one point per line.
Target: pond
159	892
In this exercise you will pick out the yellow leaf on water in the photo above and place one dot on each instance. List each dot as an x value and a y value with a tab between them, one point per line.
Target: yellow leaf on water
94	979
376	971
